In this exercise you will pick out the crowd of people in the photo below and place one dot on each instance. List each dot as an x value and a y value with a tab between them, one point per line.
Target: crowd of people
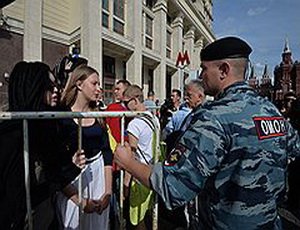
234	154
226	163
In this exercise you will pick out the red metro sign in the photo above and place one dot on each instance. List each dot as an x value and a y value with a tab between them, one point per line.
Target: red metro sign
182	59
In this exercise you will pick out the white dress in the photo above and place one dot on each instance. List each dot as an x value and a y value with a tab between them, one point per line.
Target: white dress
93	187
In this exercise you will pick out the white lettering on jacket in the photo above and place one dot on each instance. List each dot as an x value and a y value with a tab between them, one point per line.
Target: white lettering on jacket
268	127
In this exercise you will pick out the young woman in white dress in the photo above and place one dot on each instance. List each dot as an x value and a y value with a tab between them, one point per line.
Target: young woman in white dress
80	95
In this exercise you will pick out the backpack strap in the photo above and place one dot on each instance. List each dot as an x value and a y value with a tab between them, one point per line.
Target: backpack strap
148	121
142	154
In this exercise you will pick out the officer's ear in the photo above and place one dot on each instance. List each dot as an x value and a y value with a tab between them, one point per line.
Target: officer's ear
224	68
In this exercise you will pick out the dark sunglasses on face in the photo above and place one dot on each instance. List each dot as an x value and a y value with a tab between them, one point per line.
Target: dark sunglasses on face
128	101
52	86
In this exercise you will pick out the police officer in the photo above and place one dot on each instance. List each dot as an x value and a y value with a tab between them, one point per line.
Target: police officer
234	154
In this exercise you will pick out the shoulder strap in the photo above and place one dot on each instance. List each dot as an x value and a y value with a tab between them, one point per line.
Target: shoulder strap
148	122
142	154
152	127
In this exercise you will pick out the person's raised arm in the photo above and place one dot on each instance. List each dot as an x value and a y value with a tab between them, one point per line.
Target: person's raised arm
125	158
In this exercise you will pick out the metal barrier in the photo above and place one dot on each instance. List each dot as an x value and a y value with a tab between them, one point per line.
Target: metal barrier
25	116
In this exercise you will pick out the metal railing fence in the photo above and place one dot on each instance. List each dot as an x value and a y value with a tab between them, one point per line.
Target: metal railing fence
25	116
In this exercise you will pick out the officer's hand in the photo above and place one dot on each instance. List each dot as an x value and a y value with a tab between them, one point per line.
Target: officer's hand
123	155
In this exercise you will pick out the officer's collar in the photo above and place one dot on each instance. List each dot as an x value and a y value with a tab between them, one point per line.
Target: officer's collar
232	88
197	107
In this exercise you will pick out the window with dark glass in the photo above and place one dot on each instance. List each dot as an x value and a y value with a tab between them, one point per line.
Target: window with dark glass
105	13
150	81
118	26
118	21
105	5
119	8
169	37
149	43
150	3
105	19
149	23
109	78
108	65
149	32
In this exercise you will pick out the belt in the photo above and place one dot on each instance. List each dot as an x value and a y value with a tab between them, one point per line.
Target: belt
92	159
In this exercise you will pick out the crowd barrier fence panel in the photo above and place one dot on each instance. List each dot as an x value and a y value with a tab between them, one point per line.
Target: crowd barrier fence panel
25	116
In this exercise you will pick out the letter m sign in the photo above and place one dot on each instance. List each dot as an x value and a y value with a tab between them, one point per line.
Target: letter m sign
182	60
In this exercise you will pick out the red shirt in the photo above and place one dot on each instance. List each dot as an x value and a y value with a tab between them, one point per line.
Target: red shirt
114	123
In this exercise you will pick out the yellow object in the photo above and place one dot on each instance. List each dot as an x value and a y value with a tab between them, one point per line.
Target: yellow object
140	197
112	141
140	200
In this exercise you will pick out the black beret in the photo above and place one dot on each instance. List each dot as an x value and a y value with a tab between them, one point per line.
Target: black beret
228	47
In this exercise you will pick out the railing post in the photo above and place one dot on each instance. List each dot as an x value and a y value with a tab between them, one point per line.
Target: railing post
80	176
122	222
27	174
156	159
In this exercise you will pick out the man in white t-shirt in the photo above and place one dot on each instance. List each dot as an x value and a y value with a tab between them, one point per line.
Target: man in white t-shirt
141	129
140	136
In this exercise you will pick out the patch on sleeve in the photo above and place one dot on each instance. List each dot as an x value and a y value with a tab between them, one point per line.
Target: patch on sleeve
268	127
175	155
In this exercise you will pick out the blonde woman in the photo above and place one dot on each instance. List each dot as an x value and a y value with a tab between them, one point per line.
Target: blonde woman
80	95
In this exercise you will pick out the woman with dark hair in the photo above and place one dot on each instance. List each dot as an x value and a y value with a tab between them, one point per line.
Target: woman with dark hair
80	95
31	88
28	84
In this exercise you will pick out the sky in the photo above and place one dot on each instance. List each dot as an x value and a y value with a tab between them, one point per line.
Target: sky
264	24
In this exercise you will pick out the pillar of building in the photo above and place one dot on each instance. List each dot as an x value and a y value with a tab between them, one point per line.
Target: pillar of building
177	35
134	64
32	42
160	41
198	46
189	40
91	33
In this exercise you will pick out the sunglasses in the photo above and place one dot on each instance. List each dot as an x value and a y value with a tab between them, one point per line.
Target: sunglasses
128	101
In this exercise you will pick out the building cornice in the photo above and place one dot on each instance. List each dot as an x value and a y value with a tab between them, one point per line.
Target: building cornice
161	5
17	26
117	39
198	22
178	21
151	54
